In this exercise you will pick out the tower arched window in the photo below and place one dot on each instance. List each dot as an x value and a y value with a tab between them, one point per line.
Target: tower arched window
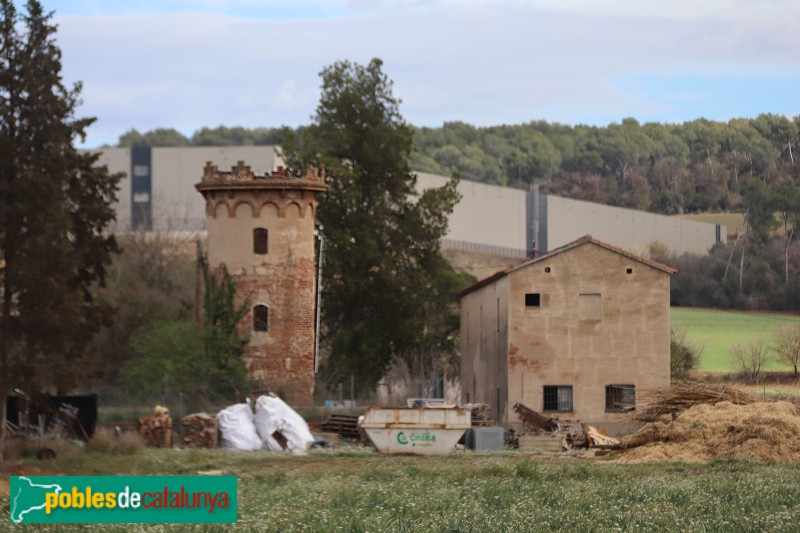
260	241
260	318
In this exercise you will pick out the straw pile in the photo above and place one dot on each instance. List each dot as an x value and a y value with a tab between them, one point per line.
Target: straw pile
682	395
764	431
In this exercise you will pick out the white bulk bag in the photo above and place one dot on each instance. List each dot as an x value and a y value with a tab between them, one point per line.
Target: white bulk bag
237	430
272	414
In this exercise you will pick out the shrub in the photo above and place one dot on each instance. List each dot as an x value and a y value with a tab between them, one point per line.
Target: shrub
751	357
105	441
682	356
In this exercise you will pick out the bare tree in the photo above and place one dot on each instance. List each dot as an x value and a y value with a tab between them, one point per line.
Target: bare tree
787	347
751	357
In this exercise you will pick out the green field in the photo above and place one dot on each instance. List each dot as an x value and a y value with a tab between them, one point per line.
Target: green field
732	220
356	489
715	331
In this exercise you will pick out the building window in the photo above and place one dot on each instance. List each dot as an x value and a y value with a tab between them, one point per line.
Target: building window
260	241
260	318
533	299
557	398
620	398
141	170
589	307
629	271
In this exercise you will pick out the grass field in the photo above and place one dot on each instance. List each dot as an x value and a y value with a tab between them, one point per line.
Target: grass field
355	489
715	331
732	220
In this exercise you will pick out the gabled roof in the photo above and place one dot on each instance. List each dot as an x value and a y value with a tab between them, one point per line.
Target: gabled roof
586	239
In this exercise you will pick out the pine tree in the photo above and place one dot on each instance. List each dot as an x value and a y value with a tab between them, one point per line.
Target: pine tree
387	291
55	207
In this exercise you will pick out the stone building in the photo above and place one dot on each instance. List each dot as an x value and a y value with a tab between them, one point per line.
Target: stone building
573	333
262	228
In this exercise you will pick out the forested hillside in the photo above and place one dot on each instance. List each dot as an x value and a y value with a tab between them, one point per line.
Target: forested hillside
667	168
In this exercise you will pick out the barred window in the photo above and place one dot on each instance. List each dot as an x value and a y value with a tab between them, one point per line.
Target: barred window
557	398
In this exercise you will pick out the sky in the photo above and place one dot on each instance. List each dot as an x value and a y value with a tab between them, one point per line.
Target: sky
186	64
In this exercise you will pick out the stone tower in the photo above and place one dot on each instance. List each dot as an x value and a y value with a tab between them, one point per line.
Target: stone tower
262	229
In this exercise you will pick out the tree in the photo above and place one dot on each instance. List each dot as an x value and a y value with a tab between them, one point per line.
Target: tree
386	286
787	347
55	207
786	201
751	357
156	137
199	360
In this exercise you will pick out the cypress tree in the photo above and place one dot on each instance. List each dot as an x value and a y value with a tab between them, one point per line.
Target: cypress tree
55	208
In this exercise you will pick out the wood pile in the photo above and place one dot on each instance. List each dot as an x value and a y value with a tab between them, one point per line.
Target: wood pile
533	421
343	425
479	414
542	433
200	430
682	395
156	431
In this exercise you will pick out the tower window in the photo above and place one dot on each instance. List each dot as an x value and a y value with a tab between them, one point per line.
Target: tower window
260	241
260	318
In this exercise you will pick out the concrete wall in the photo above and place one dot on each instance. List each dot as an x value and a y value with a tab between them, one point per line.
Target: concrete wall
176	204
491	216
175	170
489	219
486	215
119	160
551	345
632	230
484	342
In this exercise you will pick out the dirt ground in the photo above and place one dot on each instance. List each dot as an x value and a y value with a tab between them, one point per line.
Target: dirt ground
18	469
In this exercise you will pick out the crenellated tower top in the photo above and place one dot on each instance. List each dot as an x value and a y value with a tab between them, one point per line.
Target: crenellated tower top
241	177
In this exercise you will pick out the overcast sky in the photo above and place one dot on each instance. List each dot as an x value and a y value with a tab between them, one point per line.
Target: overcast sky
192	63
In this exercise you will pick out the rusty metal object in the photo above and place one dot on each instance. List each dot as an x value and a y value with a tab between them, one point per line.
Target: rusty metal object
418	431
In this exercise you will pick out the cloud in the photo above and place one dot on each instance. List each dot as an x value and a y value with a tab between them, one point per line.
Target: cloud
480	62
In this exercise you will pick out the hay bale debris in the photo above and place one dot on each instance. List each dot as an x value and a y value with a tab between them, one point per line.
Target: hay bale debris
764	431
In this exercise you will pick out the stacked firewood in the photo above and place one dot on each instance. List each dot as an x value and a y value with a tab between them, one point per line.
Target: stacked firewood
200	430
156	431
